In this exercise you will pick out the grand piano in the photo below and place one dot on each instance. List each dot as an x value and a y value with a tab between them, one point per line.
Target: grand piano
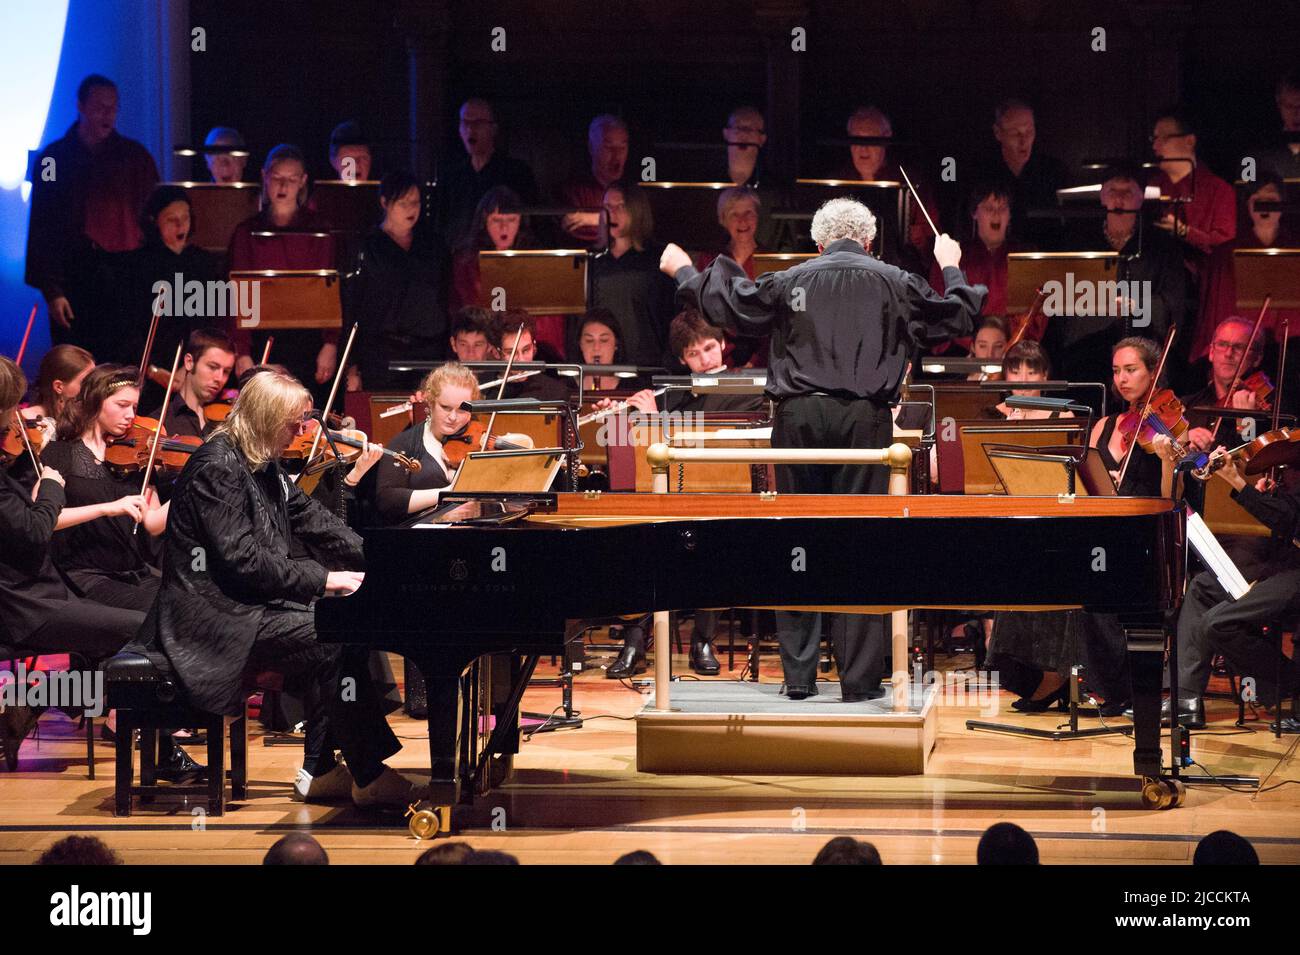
489	575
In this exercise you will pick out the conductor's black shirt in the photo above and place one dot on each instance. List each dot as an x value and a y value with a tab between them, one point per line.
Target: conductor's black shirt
842	324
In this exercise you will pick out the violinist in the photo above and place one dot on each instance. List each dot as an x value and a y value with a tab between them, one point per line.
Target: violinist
401	492
38	612
1233	360
97	547
209	358
63	368
1210	622
1133	365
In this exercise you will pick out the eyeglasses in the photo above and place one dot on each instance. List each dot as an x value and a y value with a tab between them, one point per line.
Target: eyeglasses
1230	346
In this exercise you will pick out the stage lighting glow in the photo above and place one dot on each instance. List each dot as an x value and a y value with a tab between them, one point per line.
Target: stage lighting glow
29	62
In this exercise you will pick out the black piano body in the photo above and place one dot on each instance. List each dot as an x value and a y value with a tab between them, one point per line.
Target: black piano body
445	597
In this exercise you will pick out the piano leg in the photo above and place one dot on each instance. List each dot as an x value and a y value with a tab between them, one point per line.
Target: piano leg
1146	655
446	726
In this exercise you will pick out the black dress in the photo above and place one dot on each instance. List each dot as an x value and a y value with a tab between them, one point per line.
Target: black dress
103	559
394	484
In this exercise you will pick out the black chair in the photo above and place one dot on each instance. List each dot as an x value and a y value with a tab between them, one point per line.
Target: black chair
142	688
12	655
1270	633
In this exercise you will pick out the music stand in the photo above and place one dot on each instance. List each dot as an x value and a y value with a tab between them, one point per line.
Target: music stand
539	281
688	211
507	472
348	206
1029	271
217	208
1264	272
296	298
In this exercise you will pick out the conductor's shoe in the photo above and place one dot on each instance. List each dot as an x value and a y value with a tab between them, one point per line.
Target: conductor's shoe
629	663
861	696
703	661
390	789
800	692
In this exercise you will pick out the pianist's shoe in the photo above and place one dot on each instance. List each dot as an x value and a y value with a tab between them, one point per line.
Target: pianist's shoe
1191	712
390	789
336	784
703	661
632	660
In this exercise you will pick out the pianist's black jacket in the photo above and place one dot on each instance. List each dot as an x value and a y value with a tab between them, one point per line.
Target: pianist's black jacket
860	318
226	561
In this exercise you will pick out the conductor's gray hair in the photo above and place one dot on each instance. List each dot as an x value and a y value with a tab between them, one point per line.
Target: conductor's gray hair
843	219
874	115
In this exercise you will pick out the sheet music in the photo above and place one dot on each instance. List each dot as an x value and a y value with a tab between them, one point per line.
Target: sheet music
1209	549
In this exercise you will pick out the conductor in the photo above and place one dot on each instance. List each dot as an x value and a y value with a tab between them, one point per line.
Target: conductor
843	326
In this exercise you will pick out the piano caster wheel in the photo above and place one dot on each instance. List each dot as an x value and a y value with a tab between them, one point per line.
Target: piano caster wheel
1163	793
429	823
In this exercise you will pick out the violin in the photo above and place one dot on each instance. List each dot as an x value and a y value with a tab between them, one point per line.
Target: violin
13	443
1280	448
219	410
130	453
1164	415
301	446
1261	386
457	446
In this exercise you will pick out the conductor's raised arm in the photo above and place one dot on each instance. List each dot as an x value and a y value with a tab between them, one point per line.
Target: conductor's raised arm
723	293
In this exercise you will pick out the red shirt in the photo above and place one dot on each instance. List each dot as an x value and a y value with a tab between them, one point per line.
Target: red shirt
584	193
1211	219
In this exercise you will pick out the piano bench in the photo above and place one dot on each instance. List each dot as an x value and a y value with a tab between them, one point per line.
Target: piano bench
148	698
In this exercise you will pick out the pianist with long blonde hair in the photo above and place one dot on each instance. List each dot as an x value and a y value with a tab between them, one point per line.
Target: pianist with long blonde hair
235	600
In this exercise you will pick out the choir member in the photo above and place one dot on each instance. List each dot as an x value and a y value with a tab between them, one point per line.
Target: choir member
247	608
471	327
607	146
87	191
838	357
499	224
744	135
462	182
398	297
870	163
40	613
207	360
1032	175
97	547
145	280
312	356
1203	218
1281	159
738	213
625	278
223	167
1081	345
1211	622
349	151
514	332
984	255
1227	351
599	343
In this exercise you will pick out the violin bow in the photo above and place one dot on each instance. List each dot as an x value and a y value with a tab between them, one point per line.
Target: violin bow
22	349
27	443
505	377
1277	391
148	347
329	402
1146	405
1241	362
266	352
157	438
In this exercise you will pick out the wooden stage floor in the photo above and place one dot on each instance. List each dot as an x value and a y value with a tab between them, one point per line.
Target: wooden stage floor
576	798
